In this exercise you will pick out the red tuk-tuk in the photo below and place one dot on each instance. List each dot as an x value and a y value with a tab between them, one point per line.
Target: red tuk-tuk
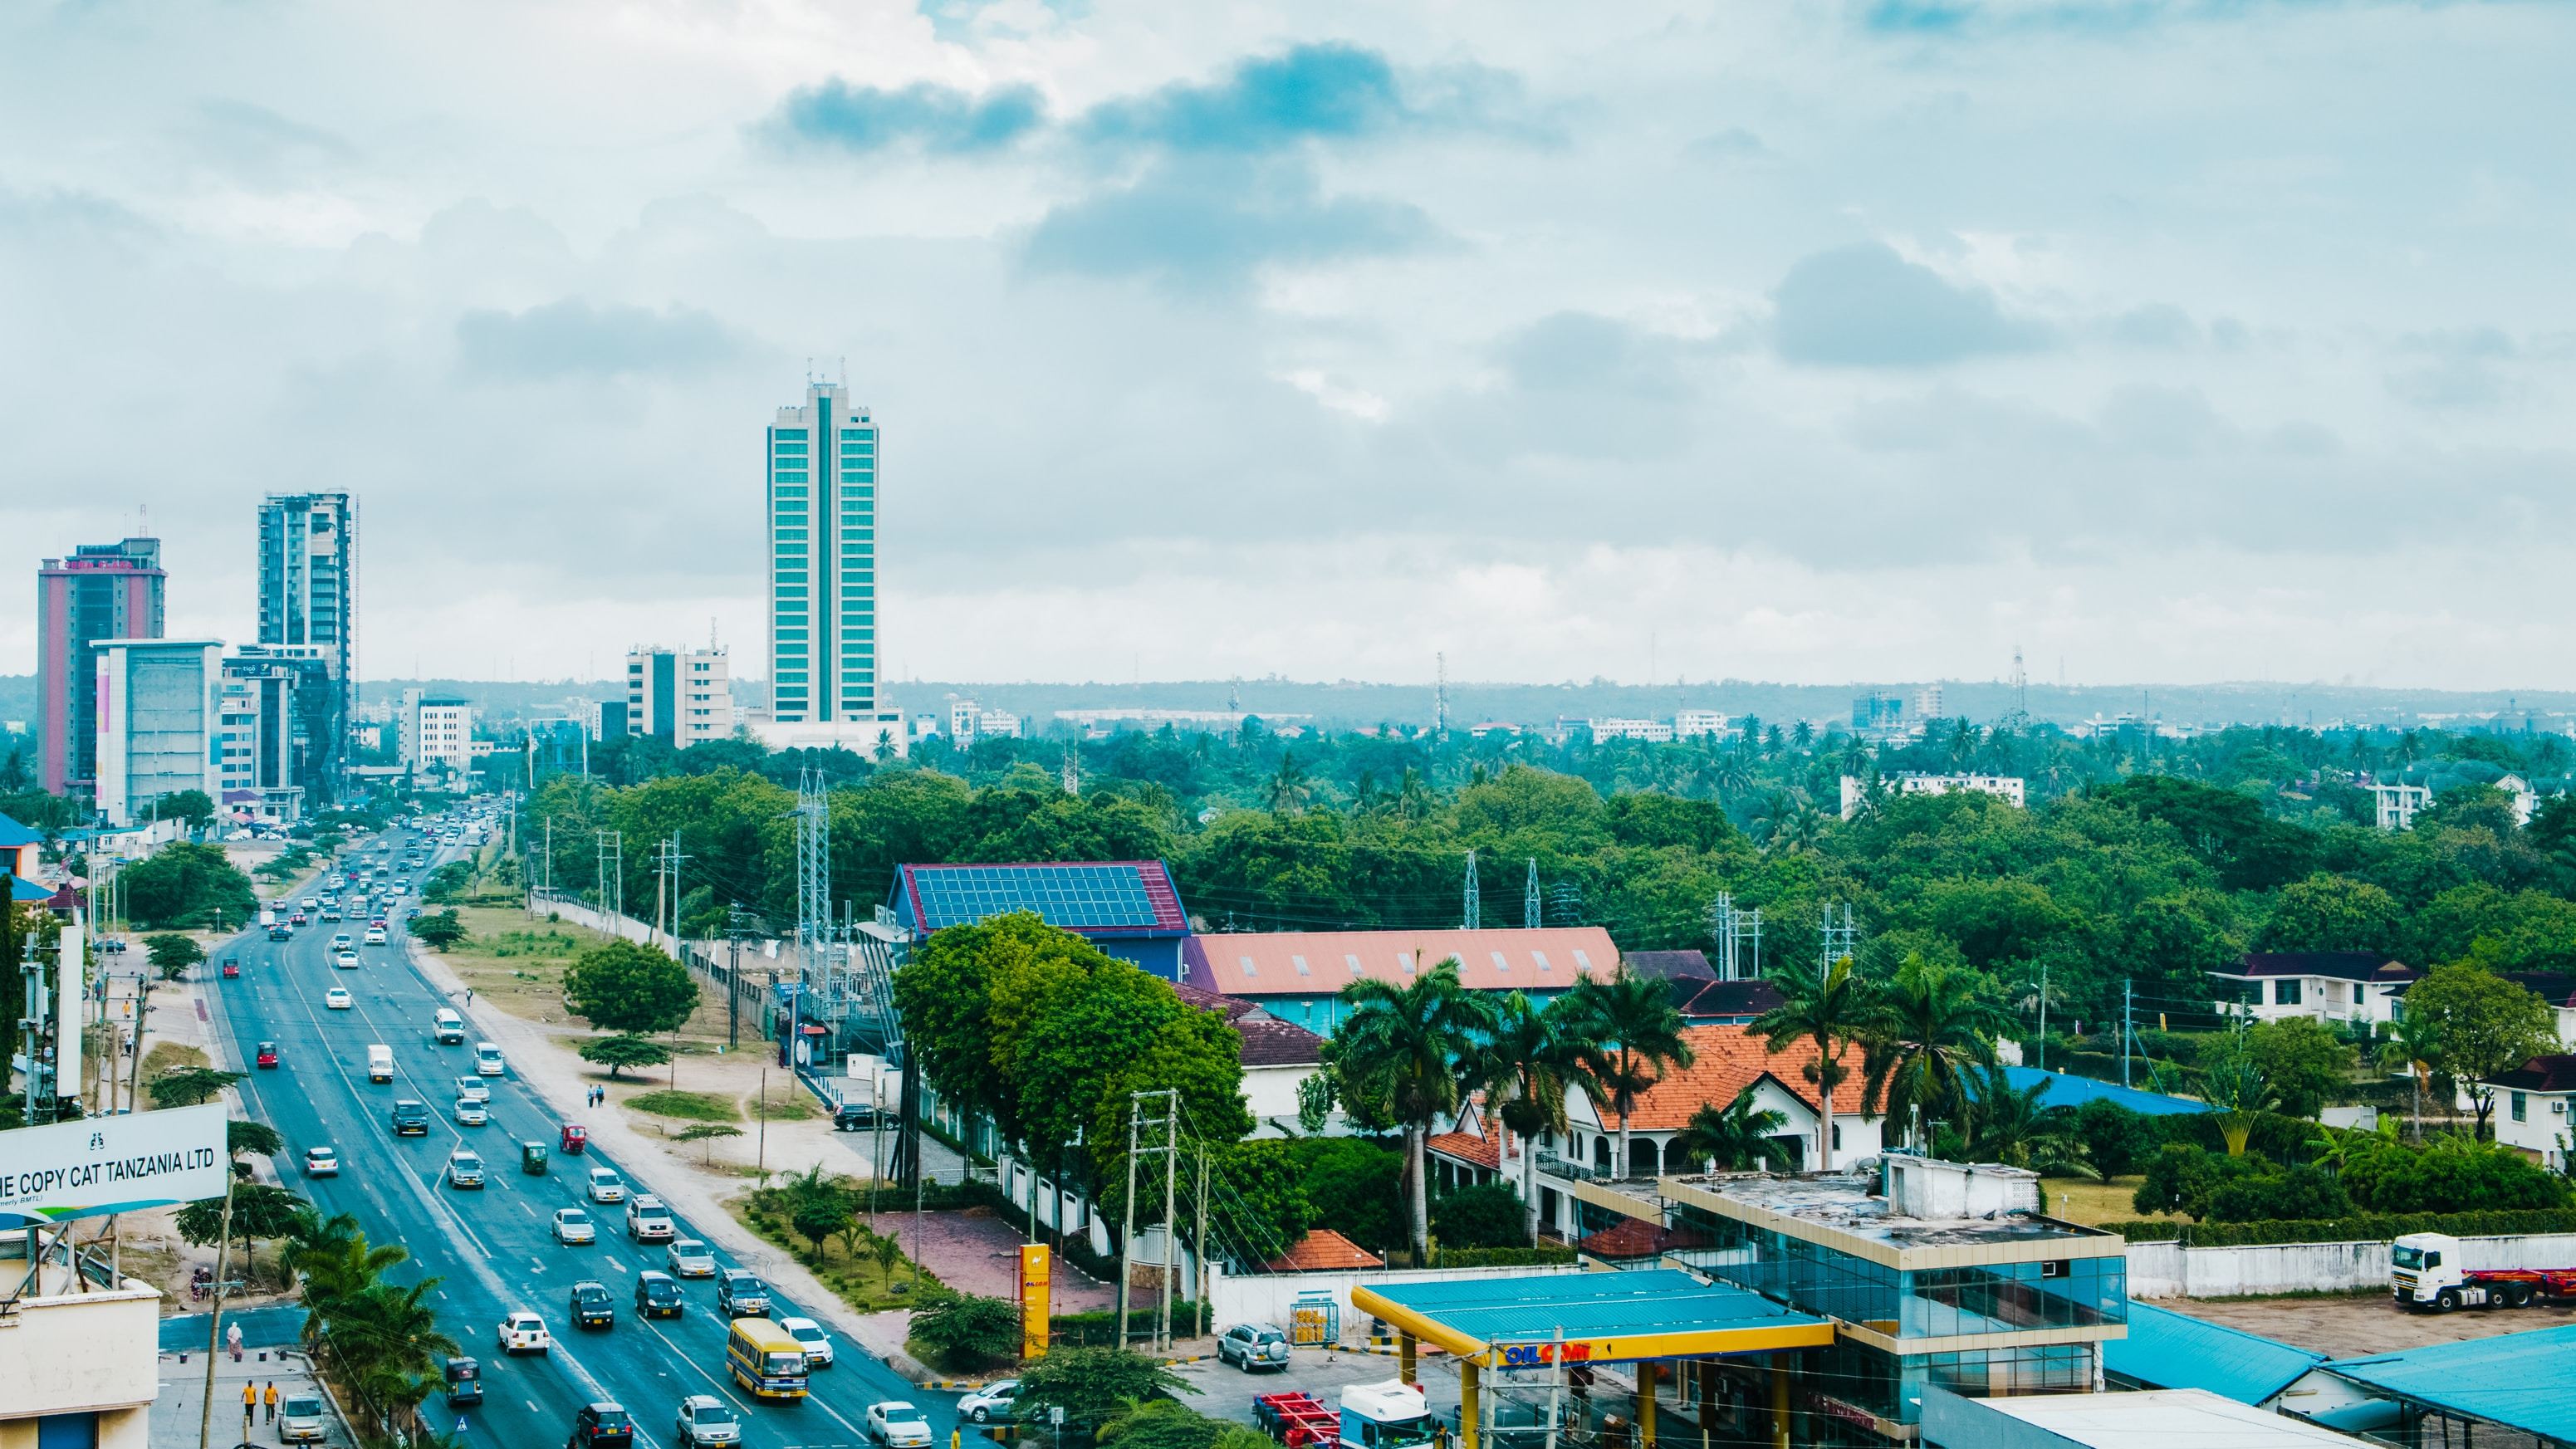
576	1138
232	967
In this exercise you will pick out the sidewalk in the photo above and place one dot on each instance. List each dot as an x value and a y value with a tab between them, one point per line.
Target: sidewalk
178	1409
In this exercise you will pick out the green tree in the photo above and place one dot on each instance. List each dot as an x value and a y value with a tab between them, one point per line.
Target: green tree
1827	1008
1737	1137
2302	1192
2414	1042
1627	1034
709	1132
620	1052
191	806
2485	1024
2306	1064
2233	1083
2112	1137
255	1139
1932	1026
1170	1424
172	955
1408	1047
2334	913
635	990
2179	1179
438	930
189	1086
2016	1127
1531	1057
964	1331
335	1262
258	1211
1487	1215
1092	1384
185	885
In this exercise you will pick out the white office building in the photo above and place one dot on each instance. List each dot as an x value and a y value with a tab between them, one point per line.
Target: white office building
2008	788
159	723
821	485
437	737
1651	731
1692	724
682	697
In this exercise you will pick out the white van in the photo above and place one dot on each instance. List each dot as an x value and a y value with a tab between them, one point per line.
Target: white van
448	1027
380	1063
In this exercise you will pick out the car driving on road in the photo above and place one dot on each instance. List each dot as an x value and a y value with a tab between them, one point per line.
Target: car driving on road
447	1027
606	1185
375	935
993	1401
487	1060
706	1419
299	1420
690	1258
818	1344
601	1426
321	1162
472	1112
472	1089
658	1295
648	1221
464	1169
346	960
523	1332
741	1294
267	1056
572	1225
896	1424
338	998
591	1305
411	1118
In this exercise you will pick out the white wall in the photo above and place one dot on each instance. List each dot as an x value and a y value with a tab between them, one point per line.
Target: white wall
2169	1270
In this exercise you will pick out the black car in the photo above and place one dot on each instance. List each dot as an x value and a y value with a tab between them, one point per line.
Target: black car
411	1119
601	1426
854	1117
592	1307
657	1295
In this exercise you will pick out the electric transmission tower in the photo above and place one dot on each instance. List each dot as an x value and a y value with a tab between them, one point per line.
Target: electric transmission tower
813	864
1737	934
1839	940
1533	915
1474	914
1440	697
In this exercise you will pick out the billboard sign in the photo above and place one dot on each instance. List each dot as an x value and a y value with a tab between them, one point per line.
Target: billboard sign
1037	1280
102	1165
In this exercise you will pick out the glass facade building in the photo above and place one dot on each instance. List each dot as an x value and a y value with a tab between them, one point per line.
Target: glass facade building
822	487
308	599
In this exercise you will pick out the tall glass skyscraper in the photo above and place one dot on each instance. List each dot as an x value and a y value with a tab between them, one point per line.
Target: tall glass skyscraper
308	595
822	471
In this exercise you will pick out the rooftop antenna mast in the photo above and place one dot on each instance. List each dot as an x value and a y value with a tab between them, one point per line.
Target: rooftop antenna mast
813	867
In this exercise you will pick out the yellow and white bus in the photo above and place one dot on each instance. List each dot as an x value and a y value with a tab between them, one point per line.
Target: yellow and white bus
766	1360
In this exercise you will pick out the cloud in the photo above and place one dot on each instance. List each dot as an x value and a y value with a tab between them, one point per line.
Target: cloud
1329	92
940	119
1202	226
260	146
1865	306
1735	143
572	338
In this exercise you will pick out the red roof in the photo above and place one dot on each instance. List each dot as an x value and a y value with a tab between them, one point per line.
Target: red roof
2540	1074
1467	1147
1726	1060
1267	1041
1324	1251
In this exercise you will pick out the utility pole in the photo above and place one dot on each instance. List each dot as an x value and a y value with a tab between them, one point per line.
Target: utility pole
1127	1236
2127	1034
612	872
1198	1321
2043	996
733	975
1171	1216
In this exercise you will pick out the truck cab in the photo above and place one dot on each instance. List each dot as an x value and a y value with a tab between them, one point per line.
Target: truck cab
1390	1415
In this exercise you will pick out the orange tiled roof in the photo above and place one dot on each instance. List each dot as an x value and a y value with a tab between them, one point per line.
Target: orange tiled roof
1726	1060
1324	1250
1467	1147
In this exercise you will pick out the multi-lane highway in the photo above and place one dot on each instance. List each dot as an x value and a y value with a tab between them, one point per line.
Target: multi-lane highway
493	1249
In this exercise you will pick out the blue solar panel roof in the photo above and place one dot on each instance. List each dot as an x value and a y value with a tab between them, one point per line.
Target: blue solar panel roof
1118	897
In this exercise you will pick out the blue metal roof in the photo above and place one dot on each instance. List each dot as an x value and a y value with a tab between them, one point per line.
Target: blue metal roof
14	834
2169	1350
2071	1091
1647	1309
23	889
2519	1380
1128	897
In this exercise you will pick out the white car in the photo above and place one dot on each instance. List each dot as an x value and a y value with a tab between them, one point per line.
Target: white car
471	1113
818	1344
321	1162
993	1401
690	1258
375	935
338	998
705	1419
465	1169
572	1225
606	1185
487	1060
346	960
471	1089
524	1332
896	1424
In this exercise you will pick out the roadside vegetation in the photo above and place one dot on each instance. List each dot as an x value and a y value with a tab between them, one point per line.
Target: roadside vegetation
822	1220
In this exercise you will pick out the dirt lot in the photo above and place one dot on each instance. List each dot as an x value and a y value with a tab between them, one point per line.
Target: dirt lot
2357	1324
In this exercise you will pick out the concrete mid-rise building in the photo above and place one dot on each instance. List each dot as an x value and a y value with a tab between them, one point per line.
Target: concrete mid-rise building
158	719
308	599
437	736
2011	789
681	697
80	1361
103	591
280	742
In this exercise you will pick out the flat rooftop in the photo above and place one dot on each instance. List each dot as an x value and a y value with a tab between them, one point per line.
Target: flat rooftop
1599	1317
1843	1209
2151	1419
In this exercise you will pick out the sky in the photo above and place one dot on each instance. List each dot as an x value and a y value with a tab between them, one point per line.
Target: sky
1805	341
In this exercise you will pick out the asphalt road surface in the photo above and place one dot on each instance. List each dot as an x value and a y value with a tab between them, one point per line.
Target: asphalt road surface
493	1250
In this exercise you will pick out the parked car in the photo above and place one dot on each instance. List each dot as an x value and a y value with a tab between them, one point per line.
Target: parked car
606	1185
523	1332
1254	1346
818	1344
896	1424
572	1225
690	1258
321	1162
741	1294
657	1295
991	1402
591	1305
706	1419
300	1420
601	1426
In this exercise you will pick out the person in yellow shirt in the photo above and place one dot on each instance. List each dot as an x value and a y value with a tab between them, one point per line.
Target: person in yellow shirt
270	1400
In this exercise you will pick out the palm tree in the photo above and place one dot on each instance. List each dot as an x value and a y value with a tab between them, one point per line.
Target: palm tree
1633	1033
1524	1070
1408	1048
1802	735
2415	1043
386	1340
336	1263
2011	1127
1934	1022
1287	791
2234	1086
1828	1008
1737	1136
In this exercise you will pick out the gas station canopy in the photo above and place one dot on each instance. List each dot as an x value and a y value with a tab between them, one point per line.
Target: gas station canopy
1603	1317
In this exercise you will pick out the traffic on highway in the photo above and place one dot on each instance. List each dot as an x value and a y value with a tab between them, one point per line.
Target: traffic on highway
593	1311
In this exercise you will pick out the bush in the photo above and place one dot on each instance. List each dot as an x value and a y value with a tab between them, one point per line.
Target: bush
438	930
688	1106
173	955
965	1331
2450	1174
2301	1192
2358	1228
1544	1256
1488	1215
2115	1139
1093	1384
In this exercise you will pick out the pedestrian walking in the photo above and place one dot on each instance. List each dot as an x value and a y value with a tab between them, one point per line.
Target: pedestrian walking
250	1397
270	1400
232	1339
469	996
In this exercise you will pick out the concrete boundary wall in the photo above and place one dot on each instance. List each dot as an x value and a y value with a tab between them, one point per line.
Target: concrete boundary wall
2170	1270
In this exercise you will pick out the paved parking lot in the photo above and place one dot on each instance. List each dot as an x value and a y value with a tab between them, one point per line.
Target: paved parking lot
1227	1392
2358	1324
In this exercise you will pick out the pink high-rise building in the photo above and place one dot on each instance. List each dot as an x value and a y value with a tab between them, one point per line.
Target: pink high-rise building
103	591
